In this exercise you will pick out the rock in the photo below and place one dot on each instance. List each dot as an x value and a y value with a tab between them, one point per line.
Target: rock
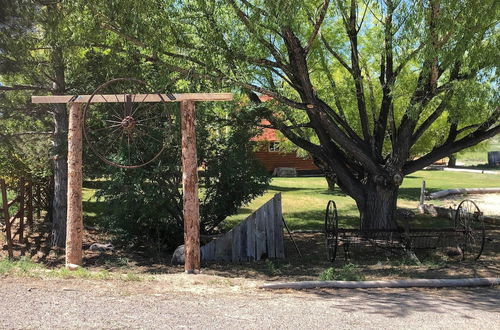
454	252
101	247
72	266
178	256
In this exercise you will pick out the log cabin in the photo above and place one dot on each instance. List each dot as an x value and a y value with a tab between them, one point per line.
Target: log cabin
267	151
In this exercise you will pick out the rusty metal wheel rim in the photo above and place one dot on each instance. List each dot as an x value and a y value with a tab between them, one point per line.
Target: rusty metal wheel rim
469	221
331	230
126	124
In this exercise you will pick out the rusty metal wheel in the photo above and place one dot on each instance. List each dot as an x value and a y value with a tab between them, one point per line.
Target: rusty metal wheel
469	222
127	125
331	230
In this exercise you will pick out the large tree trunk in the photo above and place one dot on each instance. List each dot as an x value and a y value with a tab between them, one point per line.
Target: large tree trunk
330	180
59	202
377	207
330	177
452	160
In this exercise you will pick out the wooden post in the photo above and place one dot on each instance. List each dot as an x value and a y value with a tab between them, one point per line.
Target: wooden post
6	216
422	193
74	227
22	199
191	212
30	205
38	202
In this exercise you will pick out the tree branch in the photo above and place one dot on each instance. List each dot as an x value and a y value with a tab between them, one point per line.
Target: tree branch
317	26
23	88
335	54
448	149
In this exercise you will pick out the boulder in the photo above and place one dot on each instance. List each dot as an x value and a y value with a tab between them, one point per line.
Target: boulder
178	256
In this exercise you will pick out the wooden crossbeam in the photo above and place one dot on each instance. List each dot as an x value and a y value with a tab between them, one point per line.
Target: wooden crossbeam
139	98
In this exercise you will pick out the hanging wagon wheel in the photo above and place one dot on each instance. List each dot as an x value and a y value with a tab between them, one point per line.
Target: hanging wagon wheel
469	221
126	124
331	230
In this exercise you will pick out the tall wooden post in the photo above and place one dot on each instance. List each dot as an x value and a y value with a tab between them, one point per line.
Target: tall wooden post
74	227
191	212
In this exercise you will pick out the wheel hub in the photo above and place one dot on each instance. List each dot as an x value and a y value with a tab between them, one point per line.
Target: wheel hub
128	123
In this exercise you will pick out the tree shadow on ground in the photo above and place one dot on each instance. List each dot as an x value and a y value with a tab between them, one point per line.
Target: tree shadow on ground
403	302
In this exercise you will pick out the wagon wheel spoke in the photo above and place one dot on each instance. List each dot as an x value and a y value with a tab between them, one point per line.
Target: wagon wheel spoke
124	130
468	220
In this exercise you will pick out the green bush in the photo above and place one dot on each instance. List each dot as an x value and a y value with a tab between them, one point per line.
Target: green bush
145	205
349	272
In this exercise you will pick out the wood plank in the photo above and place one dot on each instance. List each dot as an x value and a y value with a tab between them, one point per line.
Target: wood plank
260	234
191	203
251	224
111	98
243	241
278	223
223	247
236	245
74	227
271	249
207	251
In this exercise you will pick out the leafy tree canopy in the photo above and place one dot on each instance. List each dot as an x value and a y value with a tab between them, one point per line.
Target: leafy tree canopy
373	90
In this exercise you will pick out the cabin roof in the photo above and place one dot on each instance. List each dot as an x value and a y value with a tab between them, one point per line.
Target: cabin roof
267	134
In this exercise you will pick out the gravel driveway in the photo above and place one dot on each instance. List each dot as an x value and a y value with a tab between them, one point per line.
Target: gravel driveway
207	302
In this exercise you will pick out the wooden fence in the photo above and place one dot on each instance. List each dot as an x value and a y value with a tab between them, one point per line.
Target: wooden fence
20	211
259	236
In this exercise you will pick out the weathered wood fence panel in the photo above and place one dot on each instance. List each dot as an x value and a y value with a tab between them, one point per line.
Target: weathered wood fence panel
22	206
259	236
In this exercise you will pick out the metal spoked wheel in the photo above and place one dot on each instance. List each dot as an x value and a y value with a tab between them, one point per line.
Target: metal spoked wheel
331	230
469	221
127	125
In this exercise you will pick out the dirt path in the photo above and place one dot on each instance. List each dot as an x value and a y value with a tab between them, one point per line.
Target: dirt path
489	204
203	301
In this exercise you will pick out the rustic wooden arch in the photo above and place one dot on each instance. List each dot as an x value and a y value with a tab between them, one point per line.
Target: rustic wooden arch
191	212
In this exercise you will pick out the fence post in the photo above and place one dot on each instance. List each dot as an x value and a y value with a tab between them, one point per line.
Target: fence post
22	200
30	205
5	205
38	202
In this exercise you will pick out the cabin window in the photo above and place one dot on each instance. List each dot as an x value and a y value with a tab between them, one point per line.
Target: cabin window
274	146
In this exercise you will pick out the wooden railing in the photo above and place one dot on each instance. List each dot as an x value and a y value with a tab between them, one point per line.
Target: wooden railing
18	214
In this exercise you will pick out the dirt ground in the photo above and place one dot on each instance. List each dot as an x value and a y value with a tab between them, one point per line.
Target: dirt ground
371	263
182	301
489	204
224	296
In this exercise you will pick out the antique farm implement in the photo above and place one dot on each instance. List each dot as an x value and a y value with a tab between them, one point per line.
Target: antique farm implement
466	237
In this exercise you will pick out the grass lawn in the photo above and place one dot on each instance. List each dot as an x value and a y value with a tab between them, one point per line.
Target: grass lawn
305	198
477	157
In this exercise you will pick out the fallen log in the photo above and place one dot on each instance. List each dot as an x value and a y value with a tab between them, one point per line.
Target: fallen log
411	283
